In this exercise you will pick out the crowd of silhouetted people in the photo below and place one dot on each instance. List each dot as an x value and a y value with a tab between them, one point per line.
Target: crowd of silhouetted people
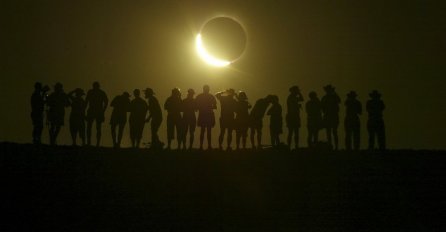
236	115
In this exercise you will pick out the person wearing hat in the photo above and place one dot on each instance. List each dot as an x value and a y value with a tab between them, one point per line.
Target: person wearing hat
330	109
353	108
241	119
38	99
293	115
227	116
137	118
314	119
174	119
189	107
121	105
56	102
375	124
97	102
77	115
155	117
206	105
256	120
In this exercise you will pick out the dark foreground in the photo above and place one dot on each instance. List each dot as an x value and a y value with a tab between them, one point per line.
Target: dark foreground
68	189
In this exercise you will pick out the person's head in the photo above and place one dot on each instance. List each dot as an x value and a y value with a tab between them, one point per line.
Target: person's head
329	89
375	94
148	92
126	95
242	96
294	90
96	85
230	92
190	93
58	87
312	95
206	89
269	98
352	95
79	92
275	99
38	86
176	92
136	93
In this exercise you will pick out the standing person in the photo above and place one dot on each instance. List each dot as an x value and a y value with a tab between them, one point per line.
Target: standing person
275	126
206	104
155	117
97	102
293	115
189	107
256	120
121	105
57	101
375	123
138	111
173	107
314	118
242	119
353	108
77	116
38	99
227	120
330	109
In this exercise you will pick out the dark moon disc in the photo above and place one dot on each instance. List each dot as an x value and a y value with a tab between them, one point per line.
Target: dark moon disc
224	38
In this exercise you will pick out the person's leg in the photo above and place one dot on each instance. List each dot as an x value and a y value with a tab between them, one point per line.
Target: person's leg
381	132
229	138
192	136
170	128
73	133
371	132
221	137
251	137
310	137
335	136
348	137
328	129
113	134
120	133
259	137
89	126
202	129
82	132
356	138
273	139
209	137
296	138
290	136
56	133
98	133
244	137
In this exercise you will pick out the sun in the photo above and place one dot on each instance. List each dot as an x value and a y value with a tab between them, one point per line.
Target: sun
206	57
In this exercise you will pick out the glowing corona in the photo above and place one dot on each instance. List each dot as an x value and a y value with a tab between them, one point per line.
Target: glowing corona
206	57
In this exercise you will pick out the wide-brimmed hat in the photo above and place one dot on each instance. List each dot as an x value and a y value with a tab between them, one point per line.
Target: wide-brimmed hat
375	94
352	94
294	89
242	95
79	92
329	87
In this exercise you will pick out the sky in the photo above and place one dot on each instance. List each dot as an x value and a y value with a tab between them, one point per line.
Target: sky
396	47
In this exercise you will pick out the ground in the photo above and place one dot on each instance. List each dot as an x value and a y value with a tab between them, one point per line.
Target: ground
79	189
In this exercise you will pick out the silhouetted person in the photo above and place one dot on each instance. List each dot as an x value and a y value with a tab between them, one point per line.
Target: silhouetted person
174	119
155	117
77	115
293	115
137	119
57	101
314	118
330	109
275	126
353	108
227	113
206	104
375	123
97	102
38	99
242	118
121	105
256	120
189	107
